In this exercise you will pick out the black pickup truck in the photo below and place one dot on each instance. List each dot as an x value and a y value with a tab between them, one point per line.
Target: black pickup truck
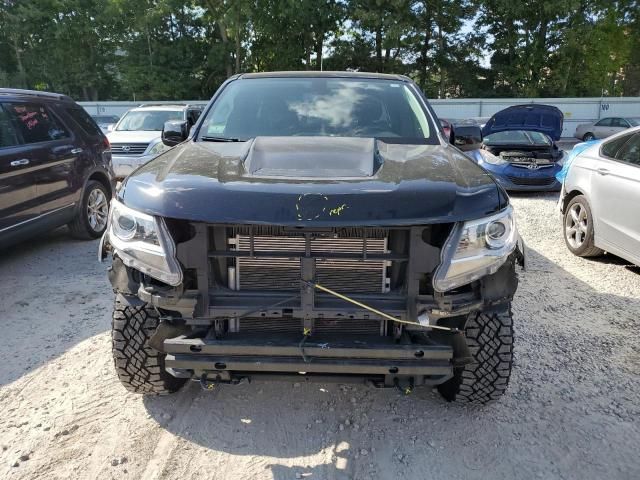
314	226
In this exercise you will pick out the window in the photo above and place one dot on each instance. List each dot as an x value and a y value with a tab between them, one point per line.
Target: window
8	134
147	120
82	118
605	122
105	119
610	149
517	137
342	107
630	151
35	123
619	122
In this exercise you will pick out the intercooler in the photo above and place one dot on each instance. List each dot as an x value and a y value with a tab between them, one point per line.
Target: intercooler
354	274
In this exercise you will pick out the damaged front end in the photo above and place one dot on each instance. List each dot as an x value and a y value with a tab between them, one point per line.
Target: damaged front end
238	301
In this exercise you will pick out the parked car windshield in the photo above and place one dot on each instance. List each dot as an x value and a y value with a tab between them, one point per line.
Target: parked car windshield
147	120
105	119
342	107
517	137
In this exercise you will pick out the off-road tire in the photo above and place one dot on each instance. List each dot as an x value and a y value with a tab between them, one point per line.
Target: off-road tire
79	226
140	368
588	248
490	341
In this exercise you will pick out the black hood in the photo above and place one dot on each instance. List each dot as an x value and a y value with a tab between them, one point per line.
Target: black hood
281	181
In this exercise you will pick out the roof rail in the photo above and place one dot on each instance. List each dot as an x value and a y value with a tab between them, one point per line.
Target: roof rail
182	104
35	93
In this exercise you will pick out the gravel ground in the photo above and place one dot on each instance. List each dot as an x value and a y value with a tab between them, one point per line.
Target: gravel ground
572	409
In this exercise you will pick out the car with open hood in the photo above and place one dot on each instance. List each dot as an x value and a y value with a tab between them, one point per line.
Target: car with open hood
314	226
519	147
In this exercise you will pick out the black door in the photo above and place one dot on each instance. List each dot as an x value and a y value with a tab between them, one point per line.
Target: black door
18	202
54	153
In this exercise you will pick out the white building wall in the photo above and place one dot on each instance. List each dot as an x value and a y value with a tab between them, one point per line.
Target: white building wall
576	110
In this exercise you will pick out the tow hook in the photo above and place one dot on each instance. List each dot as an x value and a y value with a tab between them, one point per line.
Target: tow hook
205	383
209	385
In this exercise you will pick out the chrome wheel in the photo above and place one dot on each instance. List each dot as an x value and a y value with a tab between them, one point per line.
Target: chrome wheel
97	210
576	225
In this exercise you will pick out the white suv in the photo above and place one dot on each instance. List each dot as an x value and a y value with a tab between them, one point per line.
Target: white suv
136	137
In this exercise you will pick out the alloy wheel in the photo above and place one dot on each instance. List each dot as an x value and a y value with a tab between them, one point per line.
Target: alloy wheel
97	210
576	225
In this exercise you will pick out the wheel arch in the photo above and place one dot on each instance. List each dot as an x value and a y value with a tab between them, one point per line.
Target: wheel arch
101	177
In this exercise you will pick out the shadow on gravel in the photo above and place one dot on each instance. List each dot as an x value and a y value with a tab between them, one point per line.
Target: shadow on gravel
572	344
54	294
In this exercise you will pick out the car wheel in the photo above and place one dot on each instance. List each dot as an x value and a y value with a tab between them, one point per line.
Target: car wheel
91	221
588	137
489	336
139	366
578	228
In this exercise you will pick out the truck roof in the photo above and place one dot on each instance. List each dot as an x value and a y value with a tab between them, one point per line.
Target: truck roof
317	74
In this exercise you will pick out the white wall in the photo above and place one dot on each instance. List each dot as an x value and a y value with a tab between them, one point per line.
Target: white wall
576	110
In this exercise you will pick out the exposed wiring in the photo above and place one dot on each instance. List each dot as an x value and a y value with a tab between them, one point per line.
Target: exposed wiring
374	310
306	333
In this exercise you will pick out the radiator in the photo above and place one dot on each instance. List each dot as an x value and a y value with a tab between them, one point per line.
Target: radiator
352	275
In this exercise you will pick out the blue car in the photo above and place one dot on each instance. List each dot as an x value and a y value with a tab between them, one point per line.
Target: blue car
519	147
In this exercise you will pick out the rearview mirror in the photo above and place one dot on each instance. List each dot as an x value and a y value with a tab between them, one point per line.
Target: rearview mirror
466	137
174	132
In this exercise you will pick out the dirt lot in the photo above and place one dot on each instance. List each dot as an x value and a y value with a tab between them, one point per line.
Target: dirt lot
572	410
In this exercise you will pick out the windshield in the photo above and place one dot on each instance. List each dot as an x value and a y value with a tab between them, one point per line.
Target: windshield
317	107
635	122
147	120
105	119
517	137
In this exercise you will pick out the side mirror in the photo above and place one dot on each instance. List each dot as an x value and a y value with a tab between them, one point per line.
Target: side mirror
466	137
110	127
174	132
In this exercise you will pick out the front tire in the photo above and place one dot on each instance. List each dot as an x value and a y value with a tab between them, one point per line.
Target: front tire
490	339
91	220
140	368
578	228
587	137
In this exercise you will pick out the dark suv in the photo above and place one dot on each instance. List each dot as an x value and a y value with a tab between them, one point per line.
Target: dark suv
55	167
314	225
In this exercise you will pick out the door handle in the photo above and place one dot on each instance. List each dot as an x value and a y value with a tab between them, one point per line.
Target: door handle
603	171
18	163
75	151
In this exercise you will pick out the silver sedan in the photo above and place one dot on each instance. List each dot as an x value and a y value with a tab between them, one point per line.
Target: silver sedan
605	127
600	199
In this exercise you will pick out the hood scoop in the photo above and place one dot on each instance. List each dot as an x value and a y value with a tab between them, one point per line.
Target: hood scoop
312	157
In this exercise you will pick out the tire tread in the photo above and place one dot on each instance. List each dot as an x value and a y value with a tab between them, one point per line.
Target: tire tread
490	340
139	367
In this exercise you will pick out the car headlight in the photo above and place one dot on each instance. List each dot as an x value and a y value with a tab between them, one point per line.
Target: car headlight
158	148
489	157
143	242
475	249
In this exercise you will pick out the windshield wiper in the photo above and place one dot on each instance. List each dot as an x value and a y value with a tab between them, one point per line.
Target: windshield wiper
220	139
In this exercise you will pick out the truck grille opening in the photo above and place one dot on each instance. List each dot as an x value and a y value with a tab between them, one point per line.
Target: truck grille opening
328	326
356	275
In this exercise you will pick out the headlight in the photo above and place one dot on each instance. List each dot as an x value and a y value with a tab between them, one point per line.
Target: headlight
144	243
158	148
475	249
489	157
